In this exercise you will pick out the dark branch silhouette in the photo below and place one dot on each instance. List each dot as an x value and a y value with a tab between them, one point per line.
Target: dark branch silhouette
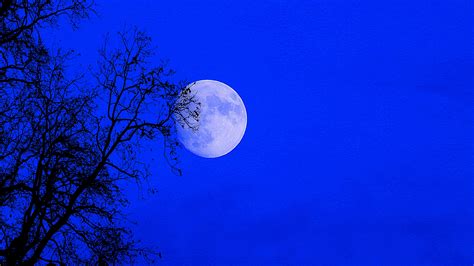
66	144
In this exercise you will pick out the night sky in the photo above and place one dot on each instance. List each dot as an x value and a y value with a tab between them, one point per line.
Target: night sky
359	145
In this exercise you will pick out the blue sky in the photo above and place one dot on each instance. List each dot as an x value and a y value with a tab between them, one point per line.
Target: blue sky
359	146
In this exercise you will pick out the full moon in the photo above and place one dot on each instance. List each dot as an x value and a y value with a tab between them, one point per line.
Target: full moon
222	120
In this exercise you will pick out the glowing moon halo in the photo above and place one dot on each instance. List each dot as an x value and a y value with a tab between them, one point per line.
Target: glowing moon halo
222	120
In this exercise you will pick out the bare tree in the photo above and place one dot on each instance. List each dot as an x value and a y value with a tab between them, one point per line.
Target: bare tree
22	51
21	47
66	145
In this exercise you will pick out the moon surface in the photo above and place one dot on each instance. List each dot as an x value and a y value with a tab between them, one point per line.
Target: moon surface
222	120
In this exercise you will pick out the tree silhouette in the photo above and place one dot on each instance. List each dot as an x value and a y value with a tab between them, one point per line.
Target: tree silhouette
67	144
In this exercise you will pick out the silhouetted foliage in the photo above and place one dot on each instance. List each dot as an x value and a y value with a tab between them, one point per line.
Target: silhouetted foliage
66	144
